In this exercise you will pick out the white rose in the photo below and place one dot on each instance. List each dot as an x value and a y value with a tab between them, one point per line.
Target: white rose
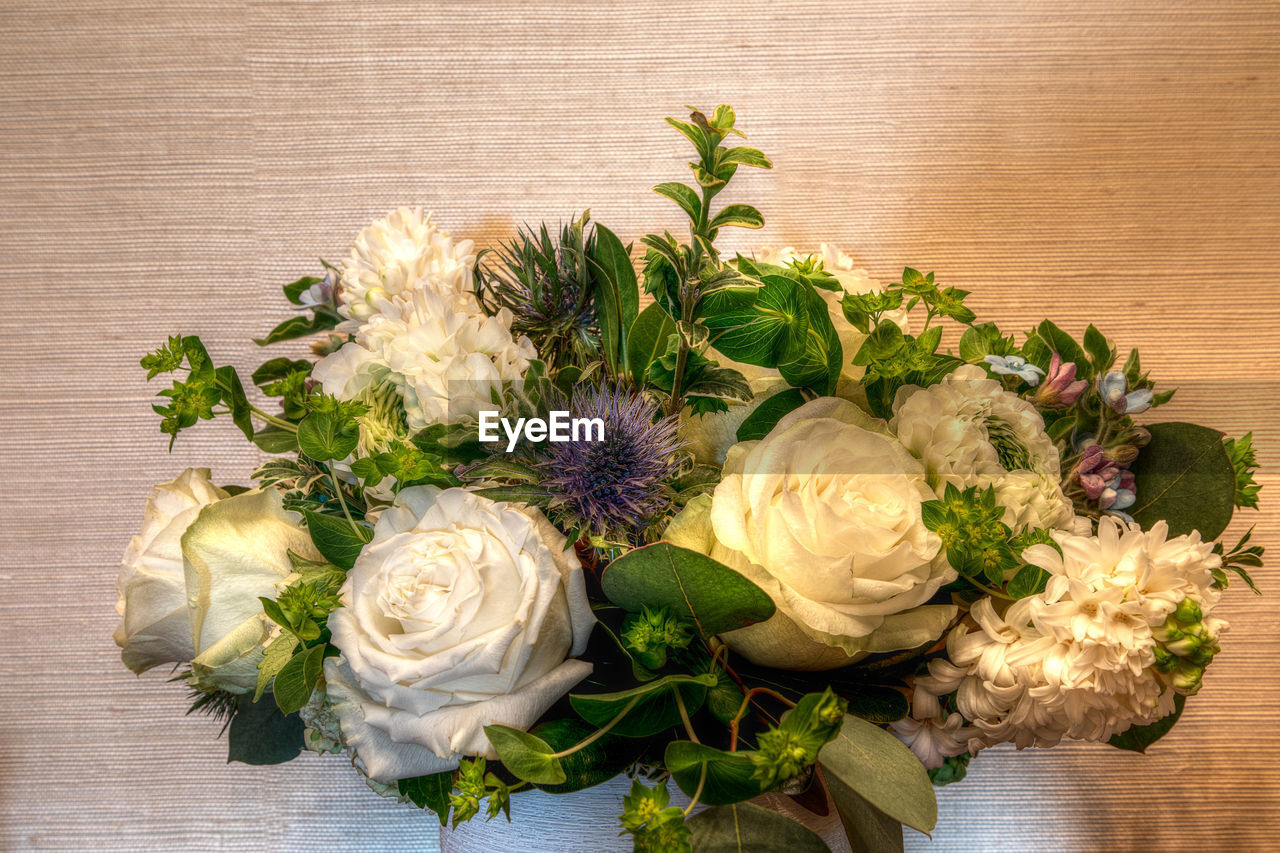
154	627
824	515
236	551
460	613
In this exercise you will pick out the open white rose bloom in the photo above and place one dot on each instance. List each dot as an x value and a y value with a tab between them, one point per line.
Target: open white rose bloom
459	614
577	507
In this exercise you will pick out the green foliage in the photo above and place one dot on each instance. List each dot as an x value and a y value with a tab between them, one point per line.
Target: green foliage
617	298
647	340
526	756
694	587
717	777
645	710
655	825
192	400
1184	477
298	678
651	634
747	828
868	829
1244	462
952	770
331	429
983	340
324	316
1138	738
893	359
883	771
1237	559
285	378
760	422
707	385
789	748
430	792
590	765
474	785
260	734
338	541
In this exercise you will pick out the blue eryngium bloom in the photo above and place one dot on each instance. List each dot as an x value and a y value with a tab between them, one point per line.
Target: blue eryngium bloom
1015	365
614	488
1112	387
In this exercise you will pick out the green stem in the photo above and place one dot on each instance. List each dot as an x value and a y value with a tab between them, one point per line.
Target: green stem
702	781
598	733
684	717
337	491
272	419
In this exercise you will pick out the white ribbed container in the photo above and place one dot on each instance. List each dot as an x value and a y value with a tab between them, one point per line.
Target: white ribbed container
587	822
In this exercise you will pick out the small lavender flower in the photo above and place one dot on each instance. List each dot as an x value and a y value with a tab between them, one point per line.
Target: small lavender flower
1113	386
1061	388
613	488
1119	495
1015	365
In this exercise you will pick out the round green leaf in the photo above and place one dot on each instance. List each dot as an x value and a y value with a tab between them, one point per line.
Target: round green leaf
728	773
527	756
593	764
655	708
1184	477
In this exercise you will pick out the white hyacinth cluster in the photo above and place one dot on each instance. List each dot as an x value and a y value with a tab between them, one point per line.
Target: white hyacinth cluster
1124	618
969	431
408	294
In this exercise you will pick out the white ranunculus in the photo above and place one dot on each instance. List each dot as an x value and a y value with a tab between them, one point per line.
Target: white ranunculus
824	515
969	431
236	551
445	357
1080	660
460	613
398	255
154	627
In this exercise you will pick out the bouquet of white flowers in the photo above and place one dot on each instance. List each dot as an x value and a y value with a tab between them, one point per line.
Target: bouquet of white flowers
738	525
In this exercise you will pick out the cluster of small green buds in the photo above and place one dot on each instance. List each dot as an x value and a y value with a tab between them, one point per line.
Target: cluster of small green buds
975	538
651	634
791	747
656	825
472	785
1185	646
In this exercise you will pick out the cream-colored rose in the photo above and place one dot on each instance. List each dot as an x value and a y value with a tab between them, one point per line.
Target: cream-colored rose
459	614
824	515
236	551
154	626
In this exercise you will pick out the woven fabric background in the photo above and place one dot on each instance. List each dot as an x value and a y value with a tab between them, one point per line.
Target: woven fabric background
166	165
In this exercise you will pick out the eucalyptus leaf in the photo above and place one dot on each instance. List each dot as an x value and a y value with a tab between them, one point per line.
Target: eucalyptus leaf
1184	477
697	588
744	828
883	771
868	829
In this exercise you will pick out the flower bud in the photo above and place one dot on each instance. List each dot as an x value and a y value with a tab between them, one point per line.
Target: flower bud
375	293
1165	660
1122	454
1186	679
1184	645
1188	612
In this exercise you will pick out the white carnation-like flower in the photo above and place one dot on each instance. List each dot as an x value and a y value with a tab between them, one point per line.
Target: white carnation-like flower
969	431
1103	648
446	361
460	613
399	255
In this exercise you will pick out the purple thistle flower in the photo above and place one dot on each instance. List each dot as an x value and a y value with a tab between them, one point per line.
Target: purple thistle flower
615	488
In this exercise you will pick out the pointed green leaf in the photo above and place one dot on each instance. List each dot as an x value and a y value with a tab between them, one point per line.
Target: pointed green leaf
883	771
338	541
297	679
1138	738
430	792
739	215
766	416
682	195
648	340
527	757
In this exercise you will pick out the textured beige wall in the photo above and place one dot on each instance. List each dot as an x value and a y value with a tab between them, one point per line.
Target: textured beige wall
164	166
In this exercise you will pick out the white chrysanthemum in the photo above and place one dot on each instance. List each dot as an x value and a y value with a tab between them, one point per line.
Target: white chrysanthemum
446	361
399	255
969	431
1081	659
930	733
